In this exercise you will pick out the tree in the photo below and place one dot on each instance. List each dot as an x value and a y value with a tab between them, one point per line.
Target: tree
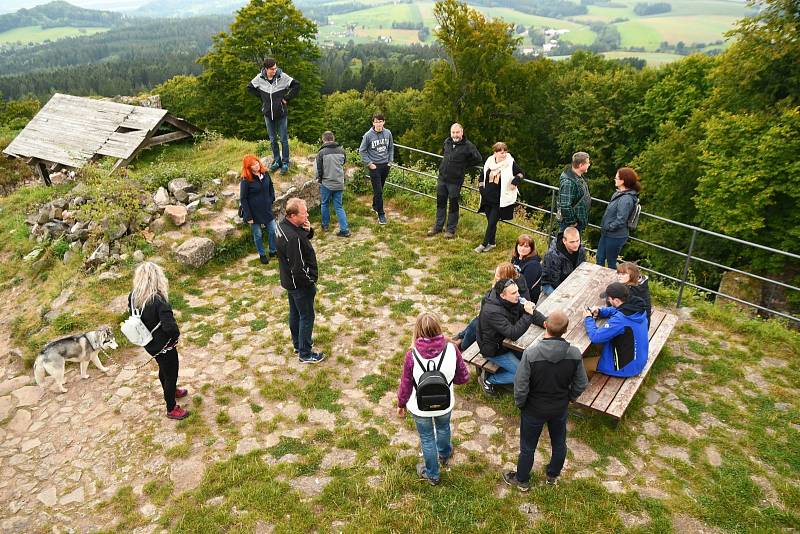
263	28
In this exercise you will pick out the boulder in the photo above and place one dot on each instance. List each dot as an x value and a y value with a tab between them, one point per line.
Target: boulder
159	225
176	213
222	230
44	215
99	255
116	231
195	251
191	207
193	197
33	255
78	232
60	203
161	198
180	189
138	256
55	229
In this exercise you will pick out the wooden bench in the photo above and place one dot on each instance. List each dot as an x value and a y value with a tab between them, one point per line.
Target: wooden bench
581	289
611	395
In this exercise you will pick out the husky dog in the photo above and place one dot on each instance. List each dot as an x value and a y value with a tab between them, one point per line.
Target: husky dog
81	348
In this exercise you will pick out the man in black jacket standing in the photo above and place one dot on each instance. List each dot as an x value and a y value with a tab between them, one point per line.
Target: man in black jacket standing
298	267
503	315
275	88
550	375
459	153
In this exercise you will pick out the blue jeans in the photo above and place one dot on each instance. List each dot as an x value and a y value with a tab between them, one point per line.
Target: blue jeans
327	195
434	444
530	428
279	127
608	249
301	318
508	363
469	334
258	237
547	289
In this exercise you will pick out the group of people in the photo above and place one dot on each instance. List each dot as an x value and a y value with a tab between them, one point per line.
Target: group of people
545	377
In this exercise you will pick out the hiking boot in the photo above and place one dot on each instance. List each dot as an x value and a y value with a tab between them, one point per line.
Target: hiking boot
313	357
263	259
489	247
325	228
273	254
511	479
177	413
488	389
275	166
285	168
424	476
551	481
449	235
433	231
381	218
480	248
181	393
444	460
341	233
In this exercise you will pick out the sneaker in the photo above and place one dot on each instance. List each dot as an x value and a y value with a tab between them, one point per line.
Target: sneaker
487	248
449	235
273	254
381	218
325	228
341	233
480	248
177	413
433	231
313	357
511	480
181	393
275	166
424	476
551	481
263	259
488	389
285	168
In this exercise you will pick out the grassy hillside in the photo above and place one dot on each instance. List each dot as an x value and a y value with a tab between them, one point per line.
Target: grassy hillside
706	445
37	34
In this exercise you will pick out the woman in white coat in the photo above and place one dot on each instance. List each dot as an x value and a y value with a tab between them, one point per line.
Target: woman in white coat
498	189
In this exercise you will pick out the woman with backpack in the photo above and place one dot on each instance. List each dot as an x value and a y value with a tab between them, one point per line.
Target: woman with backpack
256	195
430	369
150	296
614	230
527	261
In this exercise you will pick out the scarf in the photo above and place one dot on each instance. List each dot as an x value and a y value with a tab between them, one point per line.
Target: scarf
496	168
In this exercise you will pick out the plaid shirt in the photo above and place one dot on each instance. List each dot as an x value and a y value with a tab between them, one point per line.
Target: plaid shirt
571	189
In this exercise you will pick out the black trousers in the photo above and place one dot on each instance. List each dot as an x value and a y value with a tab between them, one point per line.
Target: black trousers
445	192
378	177
168	375
492	218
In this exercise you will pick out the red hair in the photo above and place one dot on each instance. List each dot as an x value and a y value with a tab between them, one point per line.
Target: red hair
248	160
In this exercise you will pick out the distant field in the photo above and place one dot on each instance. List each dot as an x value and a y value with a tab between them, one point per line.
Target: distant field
654	59
380	16
36	34
510	15
584	36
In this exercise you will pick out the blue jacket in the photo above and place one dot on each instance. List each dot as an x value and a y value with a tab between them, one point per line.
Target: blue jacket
256	198
615	218
625	337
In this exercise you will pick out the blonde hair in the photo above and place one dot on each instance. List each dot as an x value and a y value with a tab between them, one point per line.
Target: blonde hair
149	280
427	325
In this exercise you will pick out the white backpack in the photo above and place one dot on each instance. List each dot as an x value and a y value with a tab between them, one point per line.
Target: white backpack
134	329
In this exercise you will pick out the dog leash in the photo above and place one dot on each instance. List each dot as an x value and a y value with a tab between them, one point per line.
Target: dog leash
125	367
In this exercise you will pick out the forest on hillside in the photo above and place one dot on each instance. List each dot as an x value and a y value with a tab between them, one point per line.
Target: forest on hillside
714	138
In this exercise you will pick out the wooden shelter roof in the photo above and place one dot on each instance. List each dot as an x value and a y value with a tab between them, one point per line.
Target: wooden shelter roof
70	131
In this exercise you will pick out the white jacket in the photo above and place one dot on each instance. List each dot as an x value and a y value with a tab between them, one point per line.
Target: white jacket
508	191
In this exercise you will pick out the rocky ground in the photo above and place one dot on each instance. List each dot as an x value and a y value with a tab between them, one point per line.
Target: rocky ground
63	455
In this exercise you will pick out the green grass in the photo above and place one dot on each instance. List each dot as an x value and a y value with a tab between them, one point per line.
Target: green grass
37	34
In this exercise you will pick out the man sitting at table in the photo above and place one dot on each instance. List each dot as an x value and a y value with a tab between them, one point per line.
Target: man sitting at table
624	334
503	316
563	257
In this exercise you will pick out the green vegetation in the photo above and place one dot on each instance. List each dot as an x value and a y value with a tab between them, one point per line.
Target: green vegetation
37	34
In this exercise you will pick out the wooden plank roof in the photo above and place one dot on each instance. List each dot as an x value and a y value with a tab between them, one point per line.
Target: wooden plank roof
71	130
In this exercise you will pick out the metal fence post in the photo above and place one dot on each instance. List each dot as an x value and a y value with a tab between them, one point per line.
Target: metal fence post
686	268
552	215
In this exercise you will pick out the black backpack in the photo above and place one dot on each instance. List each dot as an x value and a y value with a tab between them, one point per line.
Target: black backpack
633	216
433	389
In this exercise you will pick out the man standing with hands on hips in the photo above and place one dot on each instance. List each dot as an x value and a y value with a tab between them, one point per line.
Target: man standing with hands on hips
377	152
298	267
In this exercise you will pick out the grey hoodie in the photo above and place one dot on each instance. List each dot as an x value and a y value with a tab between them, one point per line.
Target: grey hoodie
377	147
330	166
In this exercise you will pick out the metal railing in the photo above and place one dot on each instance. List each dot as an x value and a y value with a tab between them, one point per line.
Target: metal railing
688	257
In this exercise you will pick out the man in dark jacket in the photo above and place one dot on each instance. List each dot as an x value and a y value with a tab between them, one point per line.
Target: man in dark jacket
298	267
565	254
625	335
573	194
275	88
550	375
458	154
503	316
330	175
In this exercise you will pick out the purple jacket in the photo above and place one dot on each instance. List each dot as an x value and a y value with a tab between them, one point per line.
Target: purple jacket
428	348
